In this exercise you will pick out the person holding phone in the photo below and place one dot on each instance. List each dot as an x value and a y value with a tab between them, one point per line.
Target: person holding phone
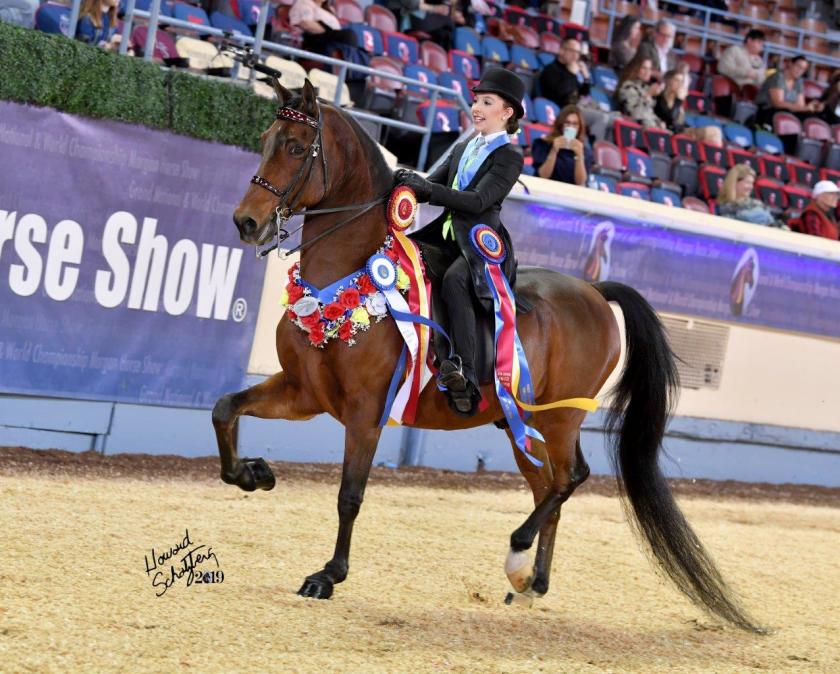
564	154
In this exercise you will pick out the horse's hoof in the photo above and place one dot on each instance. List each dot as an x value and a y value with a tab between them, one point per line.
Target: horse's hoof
519	571
251	474
524	599
316	587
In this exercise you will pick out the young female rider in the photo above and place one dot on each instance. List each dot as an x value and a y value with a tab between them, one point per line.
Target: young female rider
471	185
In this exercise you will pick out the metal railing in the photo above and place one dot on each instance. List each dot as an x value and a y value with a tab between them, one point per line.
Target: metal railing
707	32
260	46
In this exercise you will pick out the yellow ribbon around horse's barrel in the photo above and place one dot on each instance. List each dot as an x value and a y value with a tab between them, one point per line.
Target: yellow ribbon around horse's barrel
587	404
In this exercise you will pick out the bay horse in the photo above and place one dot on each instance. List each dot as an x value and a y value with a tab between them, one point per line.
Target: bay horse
315	156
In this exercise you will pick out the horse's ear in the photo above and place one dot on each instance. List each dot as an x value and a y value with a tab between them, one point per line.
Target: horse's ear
309	104
283	94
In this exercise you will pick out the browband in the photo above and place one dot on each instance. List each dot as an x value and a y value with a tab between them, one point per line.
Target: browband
297	116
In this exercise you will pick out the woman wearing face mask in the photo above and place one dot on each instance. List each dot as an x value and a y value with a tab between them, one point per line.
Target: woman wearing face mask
471	185
564	154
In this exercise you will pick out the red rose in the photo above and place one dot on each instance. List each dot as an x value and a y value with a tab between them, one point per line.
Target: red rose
350	299
316	335
346	331
295	292
311	320
291	314
293	269
366	286
392	255
333	310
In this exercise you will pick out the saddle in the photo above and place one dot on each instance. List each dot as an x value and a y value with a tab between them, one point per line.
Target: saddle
437	261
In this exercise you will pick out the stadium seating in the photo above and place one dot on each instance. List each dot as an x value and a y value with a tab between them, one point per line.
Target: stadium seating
229	24
53	18
467	40
628	134
434	57
545	111
464	64
446	117
664	196
190	14
771	193
695	204
370	38
710	179
634	190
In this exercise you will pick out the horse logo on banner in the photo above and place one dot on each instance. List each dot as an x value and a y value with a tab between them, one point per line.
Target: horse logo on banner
744	282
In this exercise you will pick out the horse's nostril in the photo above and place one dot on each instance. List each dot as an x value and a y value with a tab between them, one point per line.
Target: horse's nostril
246	225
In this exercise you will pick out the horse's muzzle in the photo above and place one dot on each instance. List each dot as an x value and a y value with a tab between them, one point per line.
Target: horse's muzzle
249	229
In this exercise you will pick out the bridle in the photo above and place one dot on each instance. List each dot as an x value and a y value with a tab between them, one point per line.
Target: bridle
286	210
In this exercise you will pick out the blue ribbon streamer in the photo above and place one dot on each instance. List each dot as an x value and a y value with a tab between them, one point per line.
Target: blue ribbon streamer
416	318
518	428
392	388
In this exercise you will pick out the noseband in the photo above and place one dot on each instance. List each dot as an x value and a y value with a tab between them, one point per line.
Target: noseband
284	210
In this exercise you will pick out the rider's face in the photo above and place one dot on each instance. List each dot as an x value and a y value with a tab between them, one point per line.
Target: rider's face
490	113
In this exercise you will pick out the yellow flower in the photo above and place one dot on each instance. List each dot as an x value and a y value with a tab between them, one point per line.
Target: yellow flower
403	281
360	316
284	298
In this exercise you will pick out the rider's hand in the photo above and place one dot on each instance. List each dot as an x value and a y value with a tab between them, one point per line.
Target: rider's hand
422	187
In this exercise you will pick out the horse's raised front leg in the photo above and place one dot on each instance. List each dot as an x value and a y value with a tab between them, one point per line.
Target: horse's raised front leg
359	448
278	397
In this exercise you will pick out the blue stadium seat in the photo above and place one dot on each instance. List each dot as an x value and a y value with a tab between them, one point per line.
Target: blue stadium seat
494	51
402	47
524	58
446	116
370	39
769	142
467	40
638	164
249	11
601	98
545	111
52	18
701	121
230	24
456	82
190	14
166	6
418	72
738	133
604	183
605	77
546	58
667	197
635	190
534	131
464	64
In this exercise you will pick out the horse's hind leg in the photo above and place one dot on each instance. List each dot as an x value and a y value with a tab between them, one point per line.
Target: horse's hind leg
569	470
278	397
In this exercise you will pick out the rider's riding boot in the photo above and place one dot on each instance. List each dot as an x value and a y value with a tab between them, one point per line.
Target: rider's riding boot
460	391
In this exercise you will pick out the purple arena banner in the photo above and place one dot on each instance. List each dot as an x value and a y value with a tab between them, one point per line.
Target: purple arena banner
683	272
678	271
122	277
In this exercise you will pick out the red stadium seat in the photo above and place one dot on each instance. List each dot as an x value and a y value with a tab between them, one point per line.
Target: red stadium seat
830	174
802	173
434	57
797	197
736	155
550	43
710	180
773	167
685	146
628	133
534	131
771	193
381	18
607	158
348	11
657	140
695	204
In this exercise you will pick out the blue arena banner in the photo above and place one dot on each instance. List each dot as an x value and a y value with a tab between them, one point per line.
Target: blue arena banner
121	273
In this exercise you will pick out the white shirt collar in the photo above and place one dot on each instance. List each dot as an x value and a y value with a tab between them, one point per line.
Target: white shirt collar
489	138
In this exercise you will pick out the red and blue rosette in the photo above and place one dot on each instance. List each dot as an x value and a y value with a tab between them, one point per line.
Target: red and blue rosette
511	372
402	208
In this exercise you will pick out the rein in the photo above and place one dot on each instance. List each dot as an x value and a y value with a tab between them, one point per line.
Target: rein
283	212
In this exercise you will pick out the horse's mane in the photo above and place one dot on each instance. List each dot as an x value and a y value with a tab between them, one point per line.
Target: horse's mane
380	171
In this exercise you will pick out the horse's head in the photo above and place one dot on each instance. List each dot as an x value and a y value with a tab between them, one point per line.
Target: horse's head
292	173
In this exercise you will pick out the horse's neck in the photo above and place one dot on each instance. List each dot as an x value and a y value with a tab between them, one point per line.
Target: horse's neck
344	251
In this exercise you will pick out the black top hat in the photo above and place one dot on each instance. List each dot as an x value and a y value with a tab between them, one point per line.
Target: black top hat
506	84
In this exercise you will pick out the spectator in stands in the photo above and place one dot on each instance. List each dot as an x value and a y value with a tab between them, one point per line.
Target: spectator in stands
820	216
659	48
784	91
321	28
432	17
831	100
565	79
736	201
745	63
20	12
636	92
669	109
626	40
98	23
564	154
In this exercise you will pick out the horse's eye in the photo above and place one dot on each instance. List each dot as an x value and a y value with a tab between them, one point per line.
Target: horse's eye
297	149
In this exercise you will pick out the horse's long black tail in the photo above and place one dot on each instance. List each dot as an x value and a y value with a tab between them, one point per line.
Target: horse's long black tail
642	404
